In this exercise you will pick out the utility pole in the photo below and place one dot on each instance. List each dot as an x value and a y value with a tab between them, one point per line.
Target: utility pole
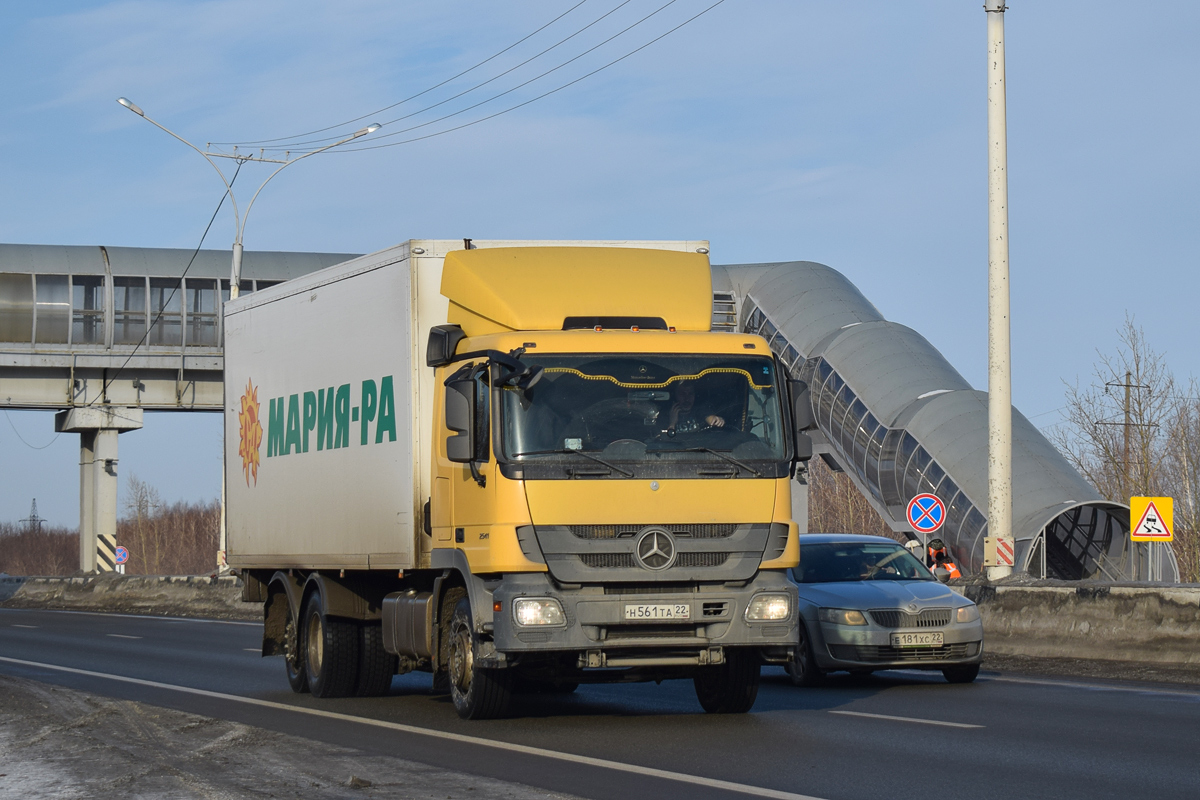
999	338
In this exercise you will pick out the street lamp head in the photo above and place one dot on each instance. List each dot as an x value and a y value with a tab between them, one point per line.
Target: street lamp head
374	126
130	105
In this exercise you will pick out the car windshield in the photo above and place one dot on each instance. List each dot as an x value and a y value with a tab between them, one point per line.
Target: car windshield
858	561
721	411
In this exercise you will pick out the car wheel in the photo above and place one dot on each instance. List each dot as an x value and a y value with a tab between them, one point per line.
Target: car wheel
731	687
477	693
803	668
961	673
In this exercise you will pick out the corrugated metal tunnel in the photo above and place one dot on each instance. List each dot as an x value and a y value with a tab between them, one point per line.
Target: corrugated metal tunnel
900	420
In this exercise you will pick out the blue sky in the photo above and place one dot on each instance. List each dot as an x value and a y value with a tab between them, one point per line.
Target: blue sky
847	133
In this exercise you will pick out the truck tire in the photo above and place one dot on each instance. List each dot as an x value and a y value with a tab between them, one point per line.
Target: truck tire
477	693
803	669
293	655
732	687
330	650
376	666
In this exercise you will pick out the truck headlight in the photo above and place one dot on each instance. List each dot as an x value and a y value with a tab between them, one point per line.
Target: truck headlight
841	616
968	613
538	611
768	607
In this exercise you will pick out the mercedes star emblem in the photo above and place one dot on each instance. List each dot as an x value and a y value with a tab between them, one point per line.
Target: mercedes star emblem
655	549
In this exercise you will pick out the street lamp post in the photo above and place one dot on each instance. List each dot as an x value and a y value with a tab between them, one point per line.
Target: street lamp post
239	221
239	224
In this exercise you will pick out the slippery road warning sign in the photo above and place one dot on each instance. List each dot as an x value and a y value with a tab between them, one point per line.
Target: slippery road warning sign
926	513
1152	517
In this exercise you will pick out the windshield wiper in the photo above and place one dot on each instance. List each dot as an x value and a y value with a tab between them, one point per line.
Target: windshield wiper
718	454
565	452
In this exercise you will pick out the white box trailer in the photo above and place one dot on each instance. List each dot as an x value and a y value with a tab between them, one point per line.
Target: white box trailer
295	359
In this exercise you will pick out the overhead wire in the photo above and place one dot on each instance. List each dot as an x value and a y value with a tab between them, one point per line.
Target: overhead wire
418	94
22	438
526	102
294	145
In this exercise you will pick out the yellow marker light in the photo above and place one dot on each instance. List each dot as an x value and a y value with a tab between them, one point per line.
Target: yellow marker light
538	611
841	616
769	607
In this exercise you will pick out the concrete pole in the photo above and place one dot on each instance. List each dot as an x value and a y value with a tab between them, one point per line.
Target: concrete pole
87	509
235	276
999	339
104	486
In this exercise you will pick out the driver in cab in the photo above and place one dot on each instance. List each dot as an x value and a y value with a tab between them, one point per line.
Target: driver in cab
686	415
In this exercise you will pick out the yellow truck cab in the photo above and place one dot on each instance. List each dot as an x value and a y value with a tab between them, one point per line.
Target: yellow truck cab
607	495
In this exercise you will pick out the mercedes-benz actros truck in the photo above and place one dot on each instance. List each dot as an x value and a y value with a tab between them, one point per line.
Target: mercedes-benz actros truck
518	466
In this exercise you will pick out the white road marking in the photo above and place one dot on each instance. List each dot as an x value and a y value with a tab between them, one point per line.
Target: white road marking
15	625
122	636
617	766
907	719
1096	687
138	616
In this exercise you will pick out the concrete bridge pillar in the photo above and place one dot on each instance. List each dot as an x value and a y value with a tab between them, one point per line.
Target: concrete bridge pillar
98	427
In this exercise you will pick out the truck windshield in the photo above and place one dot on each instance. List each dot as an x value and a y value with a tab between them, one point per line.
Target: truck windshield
638	414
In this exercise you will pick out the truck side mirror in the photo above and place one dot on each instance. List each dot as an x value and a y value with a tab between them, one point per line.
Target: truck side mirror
802	446
802	418
460	418
443	341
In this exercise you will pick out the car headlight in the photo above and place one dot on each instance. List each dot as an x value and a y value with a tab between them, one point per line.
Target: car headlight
968	613
842	616
538	611
769	606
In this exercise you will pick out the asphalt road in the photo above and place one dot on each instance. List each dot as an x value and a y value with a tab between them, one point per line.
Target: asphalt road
892	735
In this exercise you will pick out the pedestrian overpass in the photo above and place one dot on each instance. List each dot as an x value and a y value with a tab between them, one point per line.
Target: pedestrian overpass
100	334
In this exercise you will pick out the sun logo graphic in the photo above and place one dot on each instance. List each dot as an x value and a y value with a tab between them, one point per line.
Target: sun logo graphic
251	433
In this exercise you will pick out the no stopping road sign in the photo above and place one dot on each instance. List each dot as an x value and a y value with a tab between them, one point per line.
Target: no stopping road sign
926	513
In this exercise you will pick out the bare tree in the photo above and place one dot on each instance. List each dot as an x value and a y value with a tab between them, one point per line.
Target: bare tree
836	506
1131	433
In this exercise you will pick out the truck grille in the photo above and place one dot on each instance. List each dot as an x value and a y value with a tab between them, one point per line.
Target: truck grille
622	531
895	618
626	561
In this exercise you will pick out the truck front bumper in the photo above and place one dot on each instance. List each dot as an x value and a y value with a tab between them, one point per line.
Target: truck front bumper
600	622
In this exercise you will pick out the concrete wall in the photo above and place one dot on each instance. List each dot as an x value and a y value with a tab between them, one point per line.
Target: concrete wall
1152	624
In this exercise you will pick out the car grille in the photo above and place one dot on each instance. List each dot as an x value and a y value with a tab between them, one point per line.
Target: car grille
895	618
622	531
626	561
890	655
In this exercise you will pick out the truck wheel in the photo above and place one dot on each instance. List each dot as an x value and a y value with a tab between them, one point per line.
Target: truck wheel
330	650
803	668
961	673
477	693
732	687
376	666
293	656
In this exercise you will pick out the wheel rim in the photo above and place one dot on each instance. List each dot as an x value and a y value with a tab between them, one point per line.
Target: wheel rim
316	643
801	665
291	650
461	660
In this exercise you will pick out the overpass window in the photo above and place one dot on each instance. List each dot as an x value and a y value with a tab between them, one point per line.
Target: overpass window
16	307
260	285
828	394
932	477
914	473
851	434
201	312
874	450
129	310
889	469
755	321
87	308
52	308
837	419
165	315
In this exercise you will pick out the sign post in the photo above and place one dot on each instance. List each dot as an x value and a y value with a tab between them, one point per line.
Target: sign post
1153	521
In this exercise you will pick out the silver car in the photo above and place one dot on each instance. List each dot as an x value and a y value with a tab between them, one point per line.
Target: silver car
866	603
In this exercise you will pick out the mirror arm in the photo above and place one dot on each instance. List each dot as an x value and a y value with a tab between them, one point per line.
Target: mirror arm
479	478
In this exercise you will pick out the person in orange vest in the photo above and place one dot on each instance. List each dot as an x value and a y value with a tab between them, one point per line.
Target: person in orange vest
939	558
